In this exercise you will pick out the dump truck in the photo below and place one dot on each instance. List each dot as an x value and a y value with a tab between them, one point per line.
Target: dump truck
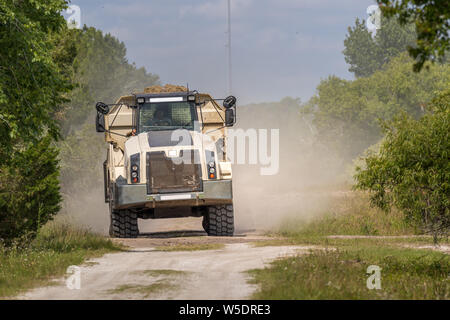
166	158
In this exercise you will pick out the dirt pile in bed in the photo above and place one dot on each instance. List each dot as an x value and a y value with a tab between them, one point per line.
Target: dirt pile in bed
164	89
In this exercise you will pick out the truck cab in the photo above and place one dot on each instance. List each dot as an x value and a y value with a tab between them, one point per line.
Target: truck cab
166	158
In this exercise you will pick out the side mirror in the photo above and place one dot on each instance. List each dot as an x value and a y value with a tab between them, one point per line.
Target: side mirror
230	117
229	102
102	108
100	122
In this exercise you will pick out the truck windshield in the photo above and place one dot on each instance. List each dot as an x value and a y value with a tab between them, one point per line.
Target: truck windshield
166	116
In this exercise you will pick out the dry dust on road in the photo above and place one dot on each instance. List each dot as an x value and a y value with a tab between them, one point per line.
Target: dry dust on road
144	272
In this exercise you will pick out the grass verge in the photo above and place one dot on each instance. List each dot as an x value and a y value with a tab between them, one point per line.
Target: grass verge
57	246
340	273
349	215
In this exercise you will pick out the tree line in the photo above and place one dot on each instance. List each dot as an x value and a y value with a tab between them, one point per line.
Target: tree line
50	78
393	120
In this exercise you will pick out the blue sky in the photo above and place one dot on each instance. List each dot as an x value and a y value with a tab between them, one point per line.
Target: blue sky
280	47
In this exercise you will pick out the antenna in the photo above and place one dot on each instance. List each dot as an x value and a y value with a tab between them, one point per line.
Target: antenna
229	48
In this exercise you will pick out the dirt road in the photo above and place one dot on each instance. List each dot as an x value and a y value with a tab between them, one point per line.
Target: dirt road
146	272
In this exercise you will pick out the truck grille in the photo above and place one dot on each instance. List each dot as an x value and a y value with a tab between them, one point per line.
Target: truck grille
167	176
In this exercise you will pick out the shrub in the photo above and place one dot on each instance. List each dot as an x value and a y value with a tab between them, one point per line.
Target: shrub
412	169
29	190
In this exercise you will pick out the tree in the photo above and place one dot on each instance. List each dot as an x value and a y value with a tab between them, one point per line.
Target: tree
346	113
412	169
432	21
366	53
32	89
31	85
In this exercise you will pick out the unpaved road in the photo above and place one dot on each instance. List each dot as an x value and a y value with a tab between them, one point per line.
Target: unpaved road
142	272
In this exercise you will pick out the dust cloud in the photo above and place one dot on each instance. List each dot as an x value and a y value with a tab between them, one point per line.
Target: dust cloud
308	172
87	208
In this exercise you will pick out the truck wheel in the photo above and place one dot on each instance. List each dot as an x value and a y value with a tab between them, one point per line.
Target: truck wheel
124	224
219	220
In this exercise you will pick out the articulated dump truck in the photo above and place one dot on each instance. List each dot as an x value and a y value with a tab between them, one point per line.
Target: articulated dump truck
167	158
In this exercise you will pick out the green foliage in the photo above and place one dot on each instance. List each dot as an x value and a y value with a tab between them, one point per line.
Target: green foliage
366	53
347	113
31	84
32	88
29	190
431	20
412	169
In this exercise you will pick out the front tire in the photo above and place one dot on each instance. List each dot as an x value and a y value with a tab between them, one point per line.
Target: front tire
219	220
124	224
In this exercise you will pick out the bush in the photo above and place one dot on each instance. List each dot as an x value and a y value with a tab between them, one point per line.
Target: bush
412	169
29	190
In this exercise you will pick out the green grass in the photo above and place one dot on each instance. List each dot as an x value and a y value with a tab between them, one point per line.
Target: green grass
163	272
167	282
145	290
339	270
341	274
350	242
57	246
192	247
349	215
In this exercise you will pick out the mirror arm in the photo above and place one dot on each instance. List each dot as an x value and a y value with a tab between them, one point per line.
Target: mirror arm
201	115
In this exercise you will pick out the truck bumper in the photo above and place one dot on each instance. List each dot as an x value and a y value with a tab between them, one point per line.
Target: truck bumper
214	192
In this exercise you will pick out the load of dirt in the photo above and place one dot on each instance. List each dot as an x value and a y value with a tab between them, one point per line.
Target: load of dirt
164	89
